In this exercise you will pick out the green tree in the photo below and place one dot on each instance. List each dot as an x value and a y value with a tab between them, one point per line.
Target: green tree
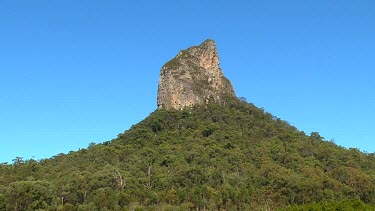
104	198
30	195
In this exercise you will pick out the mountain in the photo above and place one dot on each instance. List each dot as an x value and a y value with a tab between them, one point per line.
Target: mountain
224	154
193	77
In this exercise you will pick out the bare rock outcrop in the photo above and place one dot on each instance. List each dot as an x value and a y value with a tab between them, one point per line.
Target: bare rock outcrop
193	77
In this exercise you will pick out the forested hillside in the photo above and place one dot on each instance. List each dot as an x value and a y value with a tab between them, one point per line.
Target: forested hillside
230	157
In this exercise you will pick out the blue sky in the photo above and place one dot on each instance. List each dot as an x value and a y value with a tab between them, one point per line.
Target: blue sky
75	72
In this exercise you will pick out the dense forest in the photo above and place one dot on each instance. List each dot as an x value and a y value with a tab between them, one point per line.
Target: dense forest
214	157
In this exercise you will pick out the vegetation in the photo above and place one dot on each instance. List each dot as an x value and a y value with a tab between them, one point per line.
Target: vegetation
333	205
231	157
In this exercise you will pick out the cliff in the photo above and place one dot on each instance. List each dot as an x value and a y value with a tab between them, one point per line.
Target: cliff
193	77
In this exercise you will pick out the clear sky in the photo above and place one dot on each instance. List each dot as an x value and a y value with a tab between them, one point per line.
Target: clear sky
74	72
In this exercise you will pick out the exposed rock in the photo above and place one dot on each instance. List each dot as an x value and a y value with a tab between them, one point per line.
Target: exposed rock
193	77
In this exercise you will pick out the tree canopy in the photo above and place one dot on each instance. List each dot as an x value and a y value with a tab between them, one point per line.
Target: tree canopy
231	157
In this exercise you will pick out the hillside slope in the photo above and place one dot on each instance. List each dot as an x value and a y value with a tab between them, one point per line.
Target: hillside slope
232	157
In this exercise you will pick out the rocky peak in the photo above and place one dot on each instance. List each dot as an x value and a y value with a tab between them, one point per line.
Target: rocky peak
193	77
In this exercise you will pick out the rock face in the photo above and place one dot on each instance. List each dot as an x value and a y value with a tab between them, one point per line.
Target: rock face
193	77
